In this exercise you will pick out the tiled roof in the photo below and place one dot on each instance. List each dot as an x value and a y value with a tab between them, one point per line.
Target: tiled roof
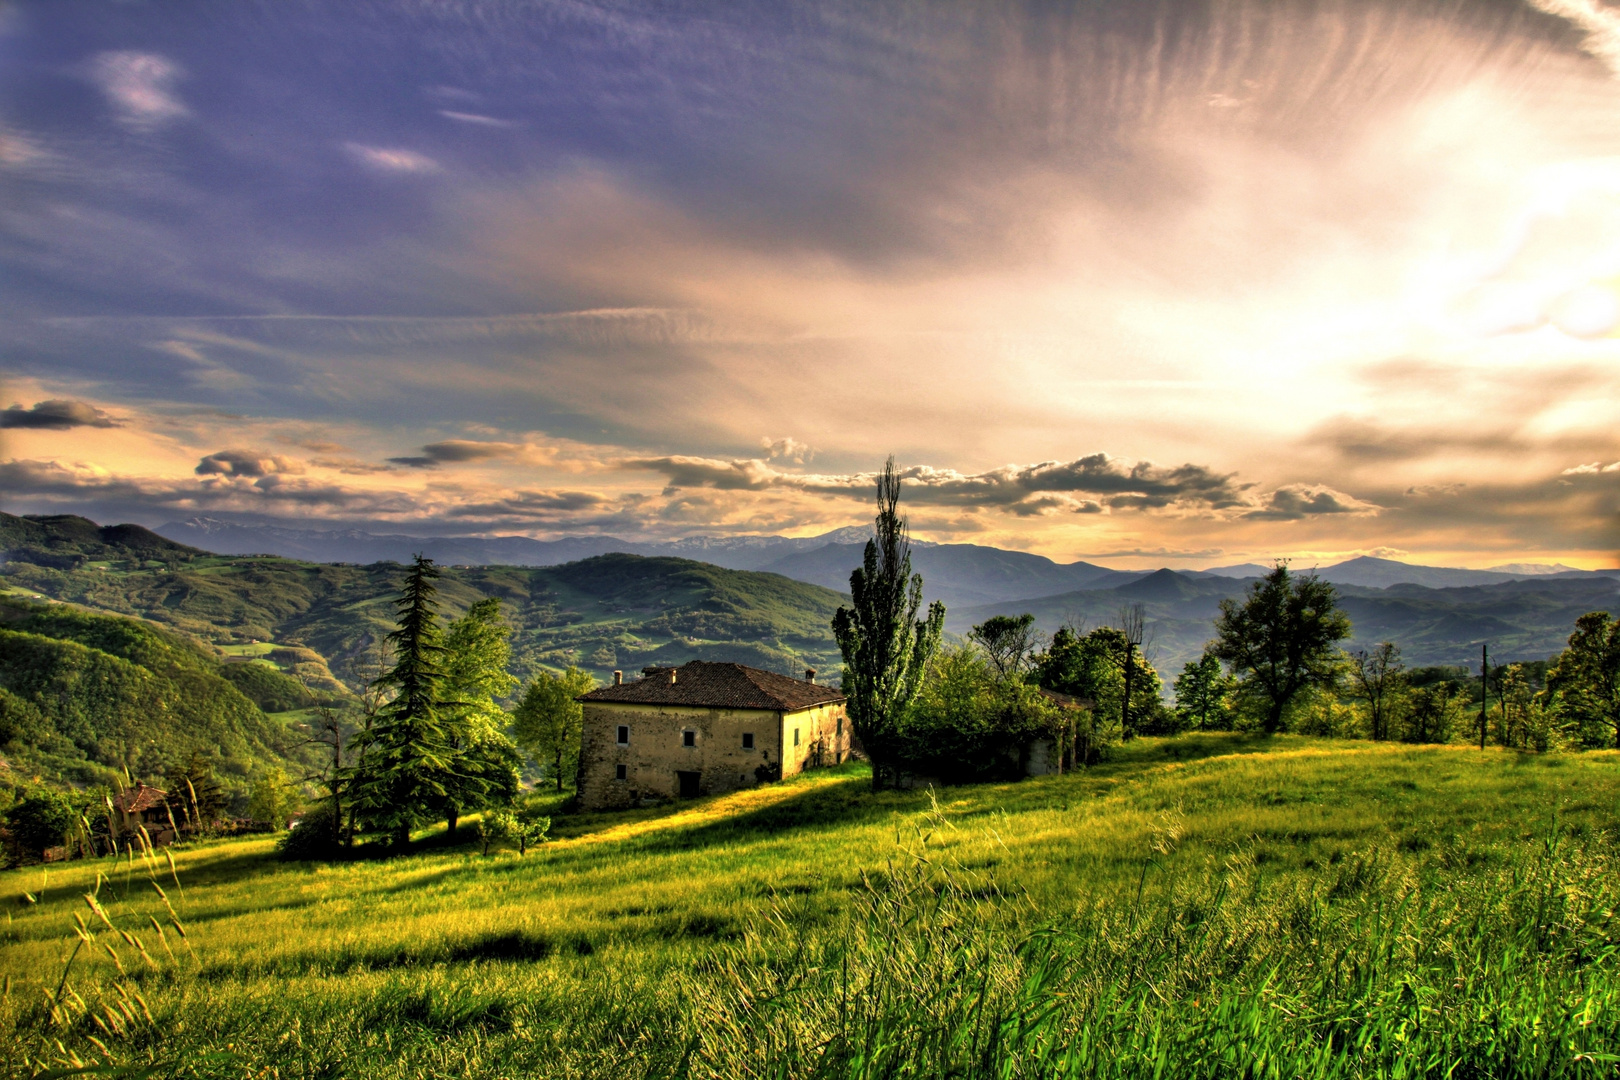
138	798
718	686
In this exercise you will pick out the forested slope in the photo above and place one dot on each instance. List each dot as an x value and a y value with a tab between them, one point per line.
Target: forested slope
83	697
613	611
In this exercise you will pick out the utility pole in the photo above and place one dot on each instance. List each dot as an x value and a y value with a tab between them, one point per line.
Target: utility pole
1484	688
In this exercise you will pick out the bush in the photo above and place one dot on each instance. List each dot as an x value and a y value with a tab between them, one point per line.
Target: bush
522	828
42	820
969	723
312	837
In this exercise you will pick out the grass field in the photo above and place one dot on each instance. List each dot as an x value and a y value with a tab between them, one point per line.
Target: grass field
1214	905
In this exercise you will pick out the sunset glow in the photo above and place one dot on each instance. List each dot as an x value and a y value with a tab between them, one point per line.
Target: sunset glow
1179	284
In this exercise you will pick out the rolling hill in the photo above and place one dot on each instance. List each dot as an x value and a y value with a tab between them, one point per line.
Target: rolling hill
610	611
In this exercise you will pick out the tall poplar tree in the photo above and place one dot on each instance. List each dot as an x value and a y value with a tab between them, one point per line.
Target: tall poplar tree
886	647
405	754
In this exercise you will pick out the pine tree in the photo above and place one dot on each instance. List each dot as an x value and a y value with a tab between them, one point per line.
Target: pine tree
886	647
405	754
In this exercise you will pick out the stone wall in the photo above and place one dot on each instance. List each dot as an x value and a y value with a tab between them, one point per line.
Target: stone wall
656	754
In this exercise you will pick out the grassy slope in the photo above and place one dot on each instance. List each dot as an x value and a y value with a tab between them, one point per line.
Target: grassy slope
638	937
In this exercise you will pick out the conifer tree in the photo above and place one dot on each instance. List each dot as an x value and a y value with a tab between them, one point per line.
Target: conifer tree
405	753
886	647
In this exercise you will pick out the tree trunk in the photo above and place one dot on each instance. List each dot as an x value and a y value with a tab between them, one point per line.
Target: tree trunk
1126	730
450	823
559	769
1274	718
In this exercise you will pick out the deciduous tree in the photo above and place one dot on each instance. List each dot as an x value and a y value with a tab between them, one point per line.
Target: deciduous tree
547	720
1380	679
1282	639
886	648
1587	679
1007	642
1202	691
484	763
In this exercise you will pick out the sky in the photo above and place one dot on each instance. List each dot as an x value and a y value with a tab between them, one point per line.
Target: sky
1184	284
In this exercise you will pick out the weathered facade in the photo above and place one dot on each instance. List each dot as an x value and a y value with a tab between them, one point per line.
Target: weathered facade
703	729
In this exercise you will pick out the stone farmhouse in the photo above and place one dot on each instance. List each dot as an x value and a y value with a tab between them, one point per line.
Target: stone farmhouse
704	728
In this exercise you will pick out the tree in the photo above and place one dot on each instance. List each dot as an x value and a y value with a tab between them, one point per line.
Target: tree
43	820
1202	690
194	789
547	721
1092	667
1007	642
1380	678
1132	629
1433	713
271	799
1281	639
404	754
886	648
484	763
1587	679
969	721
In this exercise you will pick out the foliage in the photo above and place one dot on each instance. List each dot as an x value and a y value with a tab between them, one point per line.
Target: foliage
268	688
886	648
196	792
1587	680
484	770
404	754
1007	642
313	836
272	800
1203	691
1092	668
1379	677
1281	640
523	829
43	819
970	722
1434	713
85	697
548	720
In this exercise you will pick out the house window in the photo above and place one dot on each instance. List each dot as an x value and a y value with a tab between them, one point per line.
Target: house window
620	773
624	735
748	740
795	736
840	725
688	738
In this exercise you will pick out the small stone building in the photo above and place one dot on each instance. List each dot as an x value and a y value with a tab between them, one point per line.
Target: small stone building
704	728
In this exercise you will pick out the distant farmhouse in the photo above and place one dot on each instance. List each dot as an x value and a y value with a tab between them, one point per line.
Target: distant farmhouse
704	728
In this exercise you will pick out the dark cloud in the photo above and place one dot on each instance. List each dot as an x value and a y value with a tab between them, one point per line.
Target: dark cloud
1306	500
57	414
246	463
1024	489
453	451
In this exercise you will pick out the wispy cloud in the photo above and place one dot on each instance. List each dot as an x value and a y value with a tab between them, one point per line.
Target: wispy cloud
391	159
140	86
476	118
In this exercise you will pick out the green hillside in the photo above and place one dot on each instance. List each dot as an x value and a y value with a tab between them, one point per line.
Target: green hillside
1205	906
613	611
87	696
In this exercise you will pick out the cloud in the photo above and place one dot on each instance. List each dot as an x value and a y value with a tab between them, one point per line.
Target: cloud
139	86
476	118
392	160
1024	489
452	451
1602	26
788	449
1297	501
1591	469
57	414
246	463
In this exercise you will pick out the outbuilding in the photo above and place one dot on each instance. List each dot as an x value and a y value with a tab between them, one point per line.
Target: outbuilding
704	728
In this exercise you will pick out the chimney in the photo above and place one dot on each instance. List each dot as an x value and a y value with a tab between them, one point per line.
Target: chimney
648	672
618	678
809	674
672	676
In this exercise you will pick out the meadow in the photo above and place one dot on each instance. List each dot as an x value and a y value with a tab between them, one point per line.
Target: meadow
1205	905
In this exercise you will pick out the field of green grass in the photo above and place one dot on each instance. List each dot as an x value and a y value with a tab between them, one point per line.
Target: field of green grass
1209	905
